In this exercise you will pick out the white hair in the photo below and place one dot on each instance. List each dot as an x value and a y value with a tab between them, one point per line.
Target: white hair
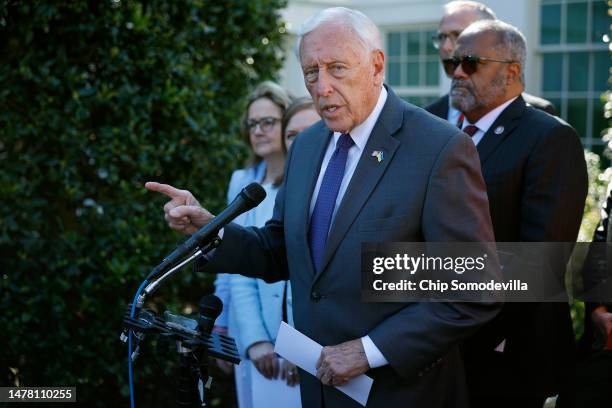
366	31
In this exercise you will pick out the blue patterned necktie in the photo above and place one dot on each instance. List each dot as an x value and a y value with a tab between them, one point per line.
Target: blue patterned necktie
326	200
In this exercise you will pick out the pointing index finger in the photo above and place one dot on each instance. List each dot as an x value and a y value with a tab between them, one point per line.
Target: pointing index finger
166	189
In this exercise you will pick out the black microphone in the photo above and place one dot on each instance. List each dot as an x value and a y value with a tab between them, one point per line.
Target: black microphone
210	308
248	198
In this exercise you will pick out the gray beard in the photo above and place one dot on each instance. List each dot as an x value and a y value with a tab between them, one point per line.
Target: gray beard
469	101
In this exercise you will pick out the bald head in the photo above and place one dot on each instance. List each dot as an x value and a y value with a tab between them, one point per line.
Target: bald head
481	11
458	15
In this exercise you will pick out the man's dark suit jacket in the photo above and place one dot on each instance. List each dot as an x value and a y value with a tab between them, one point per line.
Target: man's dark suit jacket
440	106
537	184
428	187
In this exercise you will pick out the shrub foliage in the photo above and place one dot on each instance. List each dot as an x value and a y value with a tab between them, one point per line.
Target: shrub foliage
98	97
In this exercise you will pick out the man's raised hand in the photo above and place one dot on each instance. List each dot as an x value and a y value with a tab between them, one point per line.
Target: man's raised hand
183	212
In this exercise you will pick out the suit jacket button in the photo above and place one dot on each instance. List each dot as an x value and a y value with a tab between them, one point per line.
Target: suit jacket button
315	296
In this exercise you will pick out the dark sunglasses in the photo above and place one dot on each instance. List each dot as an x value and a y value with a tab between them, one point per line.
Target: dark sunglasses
469	63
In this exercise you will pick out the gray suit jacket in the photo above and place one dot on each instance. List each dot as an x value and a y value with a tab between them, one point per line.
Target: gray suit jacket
428	188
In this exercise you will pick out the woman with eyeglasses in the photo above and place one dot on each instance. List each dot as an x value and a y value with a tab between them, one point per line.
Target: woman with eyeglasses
254	309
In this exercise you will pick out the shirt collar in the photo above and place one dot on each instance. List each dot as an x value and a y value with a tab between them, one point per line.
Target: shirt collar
453	113
361	133
487	120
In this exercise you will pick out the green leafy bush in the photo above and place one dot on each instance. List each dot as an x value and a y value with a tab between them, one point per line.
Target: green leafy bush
98	97
598	184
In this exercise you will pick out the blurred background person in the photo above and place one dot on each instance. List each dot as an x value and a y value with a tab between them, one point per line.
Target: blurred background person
298	116
458	15
259	307
252	308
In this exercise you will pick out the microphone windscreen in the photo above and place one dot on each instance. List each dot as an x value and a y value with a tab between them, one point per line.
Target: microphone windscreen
254	193
210	306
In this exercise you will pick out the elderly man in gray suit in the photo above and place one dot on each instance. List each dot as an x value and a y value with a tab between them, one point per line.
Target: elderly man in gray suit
375	169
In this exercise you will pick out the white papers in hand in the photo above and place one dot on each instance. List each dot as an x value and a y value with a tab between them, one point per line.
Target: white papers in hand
304	353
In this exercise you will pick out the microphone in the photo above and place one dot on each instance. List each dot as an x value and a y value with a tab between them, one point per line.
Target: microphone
248	198
210	308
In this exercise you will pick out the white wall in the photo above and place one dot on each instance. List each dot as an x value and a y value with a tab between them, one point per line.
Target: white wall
295	14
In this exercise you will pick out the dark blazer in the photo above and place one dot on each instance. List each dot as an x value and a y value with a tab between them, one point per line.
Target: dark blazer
440	106
428	187
537	184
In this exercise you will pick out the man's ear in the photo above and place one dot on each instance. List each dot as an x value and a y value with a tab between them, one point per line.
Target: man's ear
514	74
378	60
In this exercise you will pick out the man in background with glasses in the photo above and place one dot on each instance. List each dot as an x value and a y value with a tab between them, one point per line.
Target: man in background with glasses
535	173
458	15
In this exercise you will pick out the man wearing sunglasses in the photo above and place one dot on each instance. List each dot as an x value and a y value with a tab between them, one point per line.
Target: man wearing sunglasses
535	173
458	15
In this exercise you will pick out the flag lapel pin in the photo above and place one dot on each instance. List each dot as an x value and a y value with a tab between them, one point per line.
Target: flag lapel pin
379	155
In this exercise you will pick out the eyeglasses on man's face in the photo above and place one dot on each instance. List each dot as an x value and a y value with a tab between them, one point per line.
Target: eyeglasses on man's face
440	38
265	124
469	63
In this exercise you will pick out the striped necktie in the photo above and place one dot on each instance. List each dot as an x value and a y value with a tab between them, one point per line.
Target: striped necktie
460	121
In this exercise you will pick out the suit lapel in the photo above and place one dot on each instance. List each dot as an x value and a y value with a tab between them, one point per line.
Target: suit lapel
500	129
367	174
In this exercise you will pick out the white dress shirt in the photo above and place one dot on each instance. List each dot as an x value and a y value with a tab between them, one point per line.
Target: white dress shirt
360	136
483	124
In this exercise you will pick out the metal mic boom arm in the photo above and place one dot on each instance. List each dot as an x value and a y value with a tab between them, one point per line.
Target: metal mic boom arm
155	284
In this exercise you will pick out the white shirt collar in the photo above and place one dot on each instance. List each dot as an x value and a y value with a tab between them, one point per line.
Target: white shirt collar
483	124
453	113
361	133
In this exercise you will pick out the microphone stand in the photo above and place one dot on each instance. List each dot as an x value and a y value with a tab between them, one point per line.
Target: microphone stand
192	379
194	346
200	341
